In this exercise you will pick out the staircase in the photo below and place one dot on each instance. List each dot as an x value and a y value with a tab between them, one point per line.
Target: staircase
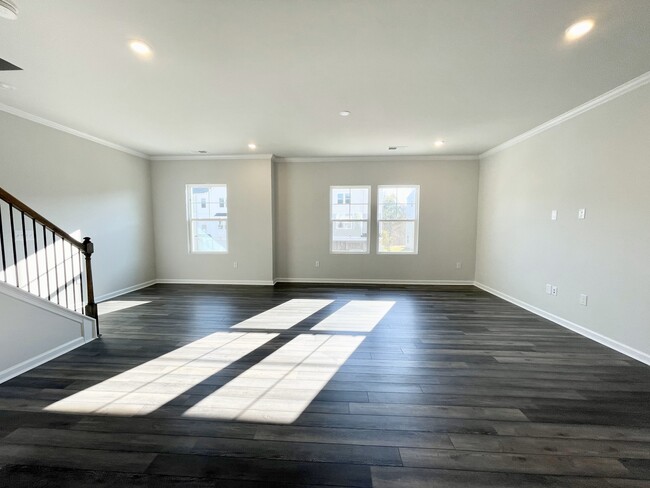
42	259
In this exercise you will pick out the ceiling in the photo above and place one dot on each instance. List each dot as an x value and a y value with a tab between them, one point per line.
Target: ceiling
278	72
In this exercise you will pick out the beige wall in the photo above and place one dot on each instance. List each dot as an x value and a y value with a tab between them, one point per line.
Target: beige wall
83	186
448	192
250	233
599	161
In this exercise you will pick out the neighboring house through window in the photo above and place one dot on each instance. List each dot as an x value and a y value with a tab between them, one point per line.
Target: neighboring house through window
207	216
349	214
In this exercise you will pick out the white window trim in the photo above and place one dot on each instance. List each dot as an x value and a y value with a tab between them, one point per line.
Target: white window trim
188	209
331	221
416	220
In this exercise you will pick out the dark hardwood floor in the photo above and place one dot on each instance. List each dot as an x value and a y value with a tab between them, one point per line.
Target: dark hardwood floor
452	388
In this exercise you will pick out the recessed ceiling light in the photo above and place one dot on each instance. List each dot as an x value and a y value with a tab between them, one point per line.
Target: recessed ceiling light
8	10
439	143
6	86
141	48
579	29
252	146
344	113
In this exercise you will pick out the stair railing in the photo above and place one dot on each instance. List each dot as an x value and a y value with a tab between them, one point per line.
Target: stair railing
43	259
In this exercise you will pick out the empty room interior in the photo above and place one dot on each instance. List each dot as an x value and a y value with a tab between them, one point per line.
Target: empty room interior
310	243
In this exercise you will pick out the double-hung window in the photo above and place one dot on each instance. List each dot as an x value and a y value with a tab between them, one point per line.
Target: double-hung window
207	217
349	214
397	219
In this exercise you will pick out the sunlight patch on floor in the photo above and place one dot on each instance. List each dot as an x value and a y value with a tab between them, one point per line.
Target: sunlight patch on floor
151	385
117	305
277	389
355	316
274	390
284	316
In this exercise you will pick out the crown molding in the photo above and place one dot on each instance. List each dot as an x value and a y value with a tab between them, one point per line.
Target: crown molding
627	87
211	157
55	125
375	159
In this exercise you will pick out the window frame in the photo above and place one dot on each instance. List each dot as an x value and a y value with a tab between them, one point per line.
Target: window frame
366	220
416	221
190	219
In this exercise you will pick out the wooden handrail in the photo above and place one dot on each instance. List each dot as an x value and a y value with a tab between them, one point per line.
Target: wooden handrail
86	248
9	198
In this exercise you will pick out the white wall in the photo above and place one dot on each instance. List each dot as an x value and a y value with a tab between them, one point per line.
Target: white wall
33	330
81	185
600	161
250	233
448	193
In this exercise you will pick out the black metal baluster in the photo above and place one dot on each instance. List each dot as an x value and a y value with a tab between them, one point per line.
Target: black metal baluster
81	279
74	280
47	263
13	241
56	269
2	247
65	273
22	218
38	268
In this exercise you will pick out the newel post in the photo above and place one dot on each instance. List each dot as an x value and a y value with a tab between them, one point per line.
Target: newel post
91	306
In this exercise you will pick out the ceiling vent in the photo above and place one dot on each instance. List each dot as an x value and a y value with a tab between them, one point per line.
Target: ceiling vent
6	65
8	10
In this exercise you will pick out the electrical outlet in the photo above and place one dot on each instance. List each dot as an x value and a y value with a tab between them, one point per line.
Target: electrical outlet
317	264
234	265
459	265
553	214
581	213
548	289
554	290
583	299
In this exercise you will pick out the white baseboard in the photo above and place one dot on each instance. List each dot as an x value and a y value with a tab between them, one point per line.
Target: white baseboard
215	282
583	331
182	281
344	281
31	363
128	289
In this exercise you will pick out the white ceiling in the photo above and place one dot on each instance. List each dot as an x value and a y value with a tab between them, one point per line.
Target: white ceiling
277	72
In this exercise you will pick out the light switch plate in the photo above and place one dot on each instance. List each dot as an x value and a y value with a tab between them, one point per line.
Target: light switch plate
553	214
581	213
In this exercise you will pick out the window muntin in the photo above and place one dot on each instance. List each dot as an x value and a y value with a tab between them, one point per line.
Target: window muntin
349	219
207	212
397	219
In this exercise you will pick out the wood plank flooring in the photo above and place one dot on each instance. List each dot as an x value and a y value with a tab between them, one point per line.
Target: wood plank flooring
452	388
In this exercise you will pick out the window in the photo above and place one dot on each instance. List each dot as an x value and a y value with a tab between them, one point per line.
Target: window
207	216
349	213
397	219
